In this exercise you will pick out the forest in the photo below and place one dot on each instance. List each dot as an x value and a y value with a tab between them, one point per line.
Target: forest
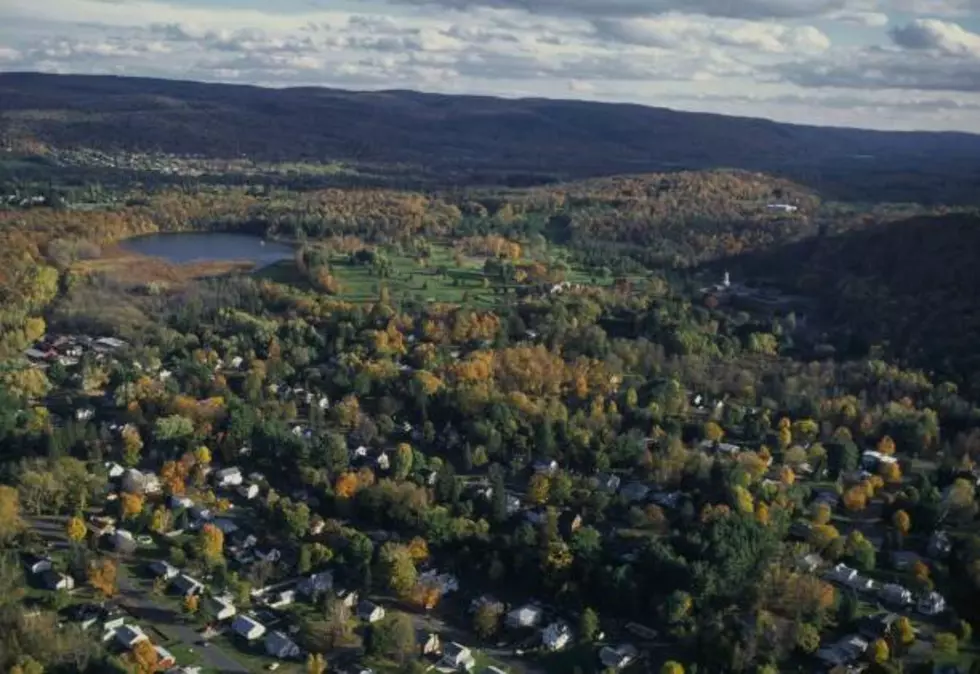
468	405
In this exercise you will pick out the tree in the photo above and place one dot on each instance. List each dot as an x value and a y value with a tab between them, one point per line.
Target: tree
946	643
102	576
346	485
418	549
787	476
807	638
880	651
316	663
191	605
822	514
393	637
211	542
891	473
856	498
902	522
713	432
76	529
202	455
886	445
160	521
397	569
132	445
588	625
11	523
402	464
672	667
538	489
905	633
131	505
145	658
27	665
486	619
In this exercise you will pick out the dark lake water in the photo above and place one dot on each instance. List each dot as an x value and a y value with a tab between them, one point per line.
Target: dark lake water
185	247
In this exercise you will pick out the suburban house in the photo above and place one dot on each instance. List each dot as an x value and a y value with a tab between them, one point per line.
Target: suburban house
634	491
249	491
429	642
456	656
137	482
122	541
556	636
347	597
569	522
164	569
247	628
57	581
617	657
445	582
939	545
187	586
280	646
37	564
315	584
165	658
128	636
872	460
220	607
932	604
228	477
281	599
525	616
877	626
903	560
114	470
608	482
176	502
547	467
844	652
895	594
226	525
370	612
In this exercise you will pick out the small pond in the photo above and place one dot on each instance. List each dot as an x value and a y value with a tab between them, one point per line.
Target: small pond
186	247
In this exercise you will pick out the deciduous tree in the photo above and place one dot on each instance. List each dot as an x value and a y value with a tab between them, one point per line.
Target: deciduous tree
102	576
211	542
76	529
11	523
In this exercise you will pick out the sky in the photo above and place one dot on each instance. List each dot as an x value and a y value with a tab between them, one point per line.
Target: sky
887	64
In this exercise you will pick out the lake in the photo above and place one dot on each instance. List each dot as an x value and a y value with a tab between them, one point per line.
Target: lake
187	247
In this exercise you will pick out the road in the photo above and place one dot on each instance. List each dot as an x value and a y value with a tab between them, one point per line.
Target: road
139	603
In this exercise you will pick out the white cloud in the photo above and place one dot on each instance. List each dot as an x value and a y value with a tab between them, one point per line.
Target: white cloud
941	36
688	33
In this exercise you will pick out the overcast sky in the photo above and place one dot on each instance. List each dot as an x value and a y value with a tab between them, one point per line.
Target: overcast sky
905	64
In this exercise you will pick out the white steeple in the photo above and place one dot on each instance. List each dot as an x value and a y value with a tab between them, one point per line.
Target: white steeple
728	281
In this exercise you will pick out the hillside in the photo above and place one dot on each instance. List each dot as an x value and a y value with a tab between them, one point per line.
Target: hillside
473	138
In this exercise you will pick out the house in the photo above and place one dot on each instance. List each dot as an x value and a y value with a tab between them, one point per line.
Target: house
57	581
84	414
114	470
872	460
112	617
809	563
247	628
165	658
569	522
903	560
429	642
228	477
782	208
200	514
617	657
841	574
122	541
249	491
220	607
669	500
280	646
347	597
37	564
315	584
546	467
281	599
271	555
877	626
226	526
940	546
187	586
137	482
444	582
608	482
163	569
128	636
895	594
382	461
932	604
556	636
176	502
370	612
634	491
108	344
843	652
529	615
458	657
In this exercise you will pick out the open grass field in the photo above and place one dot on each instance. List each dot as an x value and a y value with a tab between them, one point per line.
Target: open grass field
440	280
131	268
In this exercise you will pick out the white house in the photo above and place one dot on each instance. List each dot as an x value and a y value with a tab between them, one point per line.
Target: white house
122	540
57	581
457	656
370	612
895	594
249	491
280	646
783	208
932	604
281	599
176	502
617	657
84	413
137	482
187	586
114	470
556	636
247	628
546	467
164	569
383	462
528	615
129	635
220	607
228	477
36	564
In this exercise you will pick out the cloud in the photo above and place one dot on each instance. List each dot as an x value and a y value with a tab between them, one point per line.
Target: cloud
940	36
880	69
741	9
687	33
864	19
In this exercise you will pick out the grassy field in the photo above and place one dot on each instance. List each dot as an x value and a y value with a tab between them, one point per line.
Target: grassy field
440	280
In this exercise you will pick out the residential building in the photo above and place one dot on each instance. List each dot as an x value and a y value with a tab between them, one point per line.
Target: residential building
122	541
903	560
249	491
940	546
347	597
429	642
280	646
370	612
228	477
617	657
187	586
221	608
546	467
634	491
281	599
877	626
458	657
569	522
315	584
164	569
895	595
843	652
57	581
165	659
247	628
932	604
128	636
556	636
529	615
608	482
37	564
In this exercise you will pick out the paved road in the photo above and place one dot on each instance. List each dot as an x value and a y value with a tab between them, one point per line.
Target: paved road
143	606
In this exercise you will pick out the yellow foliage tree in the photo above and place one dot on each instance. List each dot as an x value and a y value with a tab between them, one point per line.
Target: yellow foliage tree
762	513
202	455
132	445
102	576
886	445
76	529
787	476
856	498
145	658
538	489
131	505
160	522
880	651
742	499
212	543
11	523
891	473
902	521
905	633
346	485
822	513
316	663
418	549
822	535
713	431
672	667
191	604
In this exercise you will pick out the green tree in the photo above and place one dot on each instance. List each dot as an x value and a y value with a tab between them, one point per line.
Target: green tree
946	643
672	667
807	638
486	619
397	570
402	464
393	638
588	626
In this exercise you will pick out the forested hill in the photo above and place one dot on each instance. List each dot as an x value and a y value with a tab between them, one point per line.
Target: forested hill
468	136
